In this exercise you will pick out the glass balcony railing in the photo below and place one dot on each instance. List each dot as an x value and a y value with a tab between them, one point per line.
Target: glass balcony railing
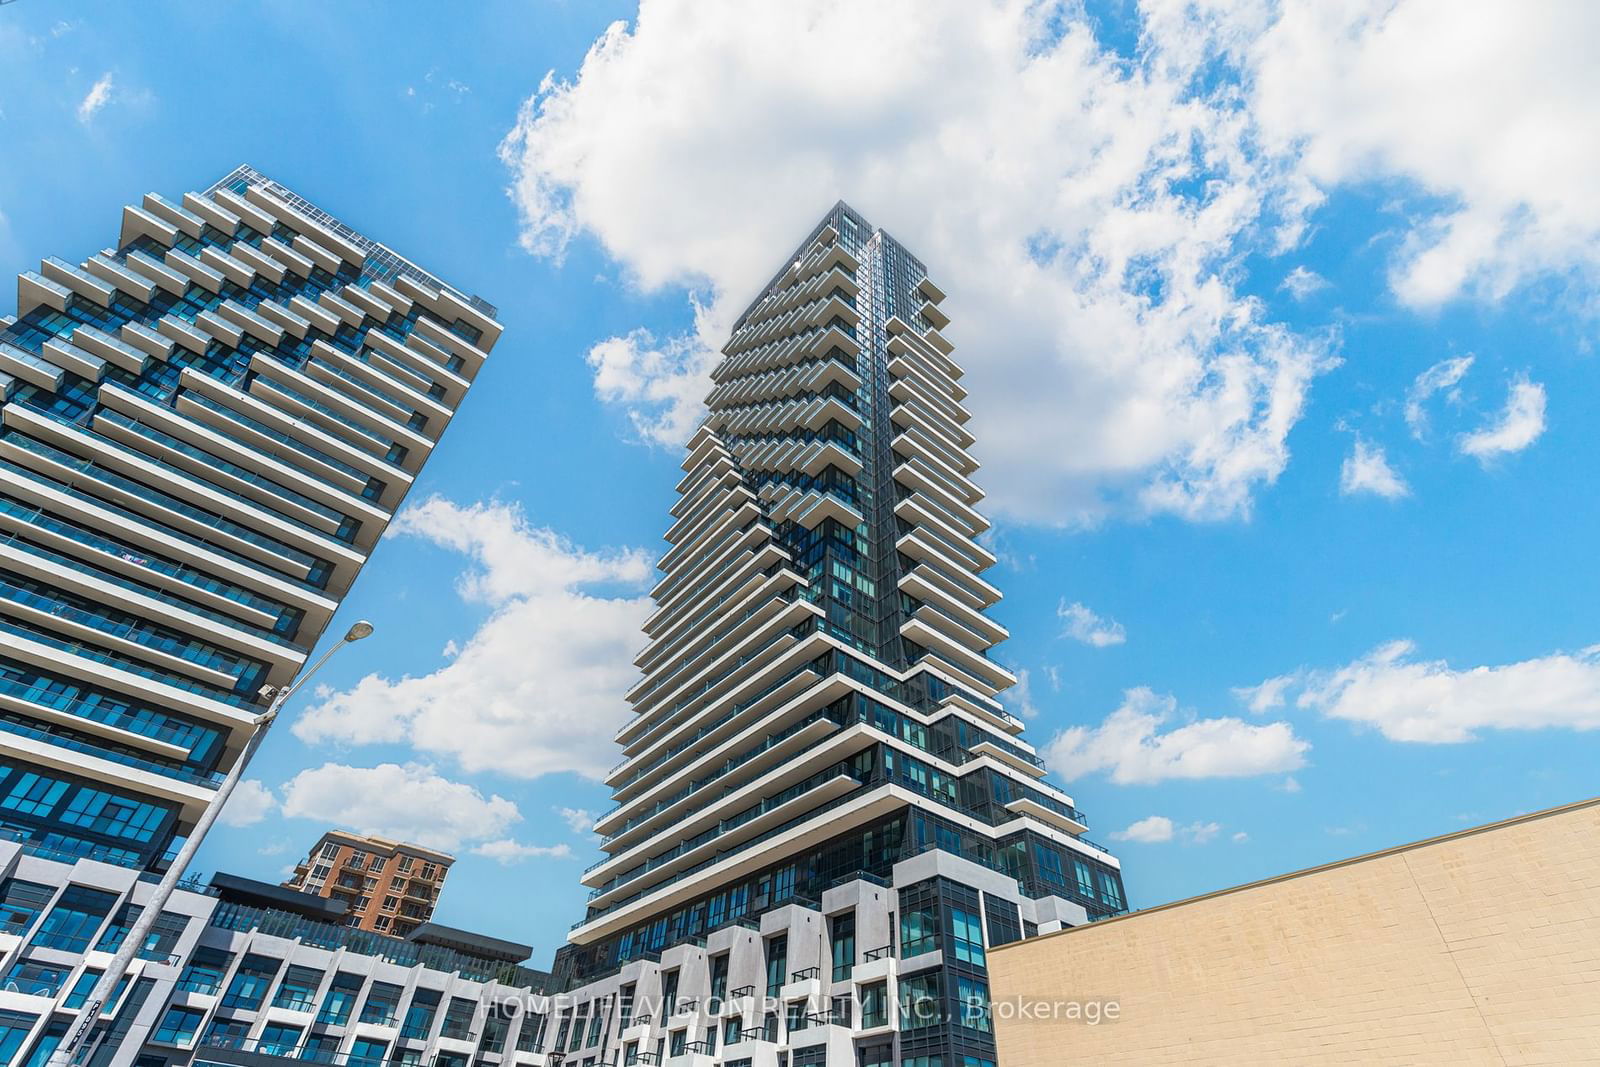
51	737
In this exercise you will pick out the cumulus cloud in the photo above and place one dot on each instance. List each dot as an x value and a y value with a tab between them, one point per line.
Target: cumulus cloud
1442	377
1019	698
98	97
1410	699
1081	624
1103	208
1394	90
1518	425
1130	747
1158	830
581	820
1366	470
411	802
251	802
538	689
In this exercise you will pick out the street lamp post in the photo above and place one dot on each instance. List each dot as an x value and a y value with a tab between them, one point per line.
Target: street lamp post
75	1042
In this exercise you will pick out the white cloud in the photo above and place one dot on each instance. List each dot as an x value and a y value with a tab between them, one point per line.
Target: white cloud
539	688
581	820
1394	90
98	97
508	852
1366	470
1407	699
1152	830
1442	377
1517	427
1106	206
1240	838
1019	698
1290	784
1084	625
251	802
1158	830
411	802
1131	749
1301	283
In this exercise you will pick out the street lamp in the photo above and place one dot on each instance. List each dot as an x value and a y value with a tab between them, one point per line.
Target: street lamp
69	1049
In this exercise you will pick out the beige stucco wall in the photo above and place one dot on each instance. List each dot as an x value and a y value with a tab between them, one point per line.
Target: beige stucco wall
1478	947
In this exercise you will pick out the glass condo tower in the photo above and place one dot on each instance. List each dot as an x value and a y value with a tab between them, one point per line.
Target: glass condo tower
203	433
824	815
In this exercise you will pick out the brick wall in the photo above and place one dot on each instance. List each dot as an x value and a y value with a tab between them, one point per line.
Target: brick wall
1478	947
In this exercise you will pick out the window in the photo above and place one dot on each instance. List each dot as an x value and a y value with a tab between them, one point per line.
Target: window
298	990
1005	923
719	978
406	863
36	978
278	1039
34	795
601	1009
777	951
118	816
530	1032
20	903
79	993
966	937
340	999
732	1027
973	995
377	865
361	903
225	1033
383	1001
844	945
625	1006
159	942
357	861
390	903
204	971
495	1028
249	986
669	994
1111	890
919	1001
320	1049
367	1053
329	850
678	1039
47	1044
874	1005
630	1053
14	1027
429	870
419	1016
919	930
458	1018
381	923
1085	877
75	918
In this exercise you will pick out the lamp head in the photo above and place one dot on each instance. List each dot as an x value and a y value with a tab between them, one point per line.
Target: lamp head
358	631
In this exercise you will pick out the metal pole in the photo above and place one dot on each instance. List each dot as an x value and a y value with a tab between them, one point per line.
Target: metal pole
70	1049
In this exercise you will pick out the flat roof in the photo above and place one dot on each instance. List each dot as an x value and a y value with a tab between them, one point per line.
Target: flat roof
472	944
1577	805
265	894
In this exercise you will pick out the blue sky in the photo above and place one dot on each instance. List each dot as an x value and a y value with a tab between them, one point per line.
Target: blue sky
1278	320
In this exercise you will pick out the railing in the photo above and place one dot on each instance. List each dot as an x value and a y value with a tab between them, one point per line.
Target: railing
805	974
872	955
743	991
51	737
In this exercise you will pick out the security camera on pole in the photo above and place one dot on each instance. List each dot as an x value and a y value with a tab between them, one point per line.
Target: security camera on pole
75	1043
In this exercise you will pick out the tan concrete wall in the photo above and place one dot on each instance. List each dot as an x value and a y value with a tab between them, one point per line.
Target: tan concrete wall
1479	947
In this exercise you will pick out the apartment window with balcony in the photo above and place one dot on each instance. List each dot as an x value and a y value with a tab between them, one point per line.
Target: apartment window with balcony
495	1028
357	861
20	903
383	1001
298	990
204	971
429	870
367	1052
249	986
361	904
678	1040
177	1027
340	999
35	978
458	1018
419	1015
377	865
278	1039
732	1028
72	923
777	953
381	924
226	1033
844	945
530	1031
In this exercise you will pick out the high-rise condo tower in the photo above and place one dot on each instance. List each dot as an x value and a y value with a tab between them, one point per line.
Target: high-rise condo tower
823	812
204	431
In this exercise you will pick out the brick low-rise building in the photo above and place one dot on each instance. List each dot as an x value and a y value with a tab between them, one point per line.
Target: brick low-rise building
388	887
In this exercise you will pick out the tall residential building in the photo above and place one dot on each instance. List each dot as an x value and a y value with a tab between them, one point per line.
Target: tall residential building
204	431
388	887
824	814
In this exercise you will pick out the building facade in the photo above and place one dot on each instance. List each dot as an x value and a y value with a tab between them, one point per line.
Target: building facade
203	433
1478	947
824	815
248	974
388	887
